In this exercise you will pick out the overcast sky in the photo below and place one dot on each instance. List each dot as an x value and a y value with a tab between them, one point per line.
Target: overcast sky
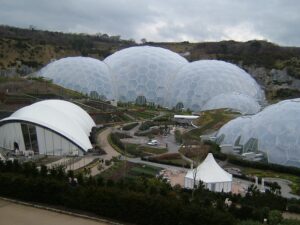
162	20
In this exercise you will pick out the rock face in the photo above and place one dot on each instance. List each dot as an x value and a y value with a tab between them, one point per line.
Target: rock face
276	83
21	70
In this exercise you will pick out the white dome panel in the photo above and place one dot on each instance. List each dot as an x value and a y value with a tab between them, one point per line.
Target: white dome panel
238	102
209	78
276	128
81	74
151	68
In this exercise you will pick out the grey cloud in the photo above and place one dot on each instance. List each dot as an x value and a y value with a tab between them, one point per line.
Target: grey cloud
168	20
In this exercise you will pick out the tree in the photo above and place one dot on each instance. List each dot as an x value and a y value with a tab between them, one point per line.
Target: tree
94	95
249	222
144	40
275	217
141	100
275	188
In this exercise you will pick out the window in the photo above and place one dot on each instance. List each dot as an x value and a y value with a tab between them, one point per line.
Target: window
30	137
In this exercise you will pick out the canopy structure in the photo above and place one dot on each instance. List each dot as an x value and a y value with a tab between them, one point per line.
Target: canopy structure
47	127
211	174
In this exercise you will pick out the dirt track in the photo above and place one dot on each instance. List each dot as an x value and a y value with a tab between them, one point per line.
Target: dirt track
15	214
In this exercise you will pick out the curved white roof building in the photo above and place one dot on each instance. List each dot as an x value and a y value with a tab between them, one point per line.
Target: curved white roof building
238	102
211	174
144	71
273	131
200	81
52	127
82	74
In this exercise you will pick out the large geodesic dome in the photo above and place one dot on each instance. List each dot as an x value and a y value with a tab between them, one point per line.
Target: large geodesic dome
161	77
275	132
235	101
81	74
144	71
199	81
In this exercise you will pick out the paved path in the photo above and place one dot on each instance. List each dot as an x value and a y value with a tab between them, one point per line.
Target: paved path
104	144
110	151
285	188
80	163
61	162
16	214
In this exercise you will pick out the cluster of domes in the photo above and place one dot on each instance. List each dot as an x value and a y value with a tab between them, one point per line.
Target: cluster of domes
162	77
274	132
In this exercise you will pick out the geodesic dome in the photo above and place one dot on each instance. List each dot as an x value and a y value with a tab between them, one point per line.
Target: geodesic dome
81	74
199	81
144	71
162	77
236	101
276	130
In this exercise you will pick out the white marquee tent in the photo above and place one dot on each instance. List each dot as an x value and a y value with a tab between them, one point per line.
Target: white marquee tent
211	174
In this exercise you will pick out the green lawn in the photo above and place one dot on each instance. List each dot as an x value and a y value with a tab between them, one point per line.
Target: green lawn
122	169
140	150
209	120
130	126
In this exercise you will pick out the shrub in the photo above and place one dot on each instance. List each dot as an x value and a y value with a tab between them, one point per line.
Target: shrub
146	125
178	136
116	141
130	126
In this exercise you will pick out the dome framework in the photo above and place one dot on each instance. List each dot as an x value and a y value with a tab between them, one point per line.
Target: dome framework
275	129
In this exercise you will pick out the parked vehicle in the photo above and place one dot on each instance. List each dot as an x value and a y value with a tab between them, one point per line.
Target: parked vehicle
153	142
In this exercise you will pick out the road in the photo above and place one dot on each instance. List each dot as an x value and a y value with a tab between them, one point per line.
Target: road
285	188
17	214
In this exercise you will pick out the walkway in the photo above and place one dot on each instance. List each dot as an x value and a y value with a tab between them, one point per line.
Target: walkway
110	151
104	144
285	188
17	214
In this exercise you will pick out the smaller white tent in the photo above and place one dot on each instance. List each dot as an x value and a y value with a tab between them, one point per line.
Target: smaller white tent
211	174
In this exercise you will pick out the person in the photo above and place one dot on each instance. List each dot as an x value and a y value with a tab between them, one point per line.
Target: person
16	146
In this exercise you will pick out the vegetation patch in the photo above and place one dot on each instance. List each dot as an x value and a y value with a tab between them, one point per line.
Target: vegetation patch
128	170
130	126
209	121
178	136
146	125
174	159
295	185
141	150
